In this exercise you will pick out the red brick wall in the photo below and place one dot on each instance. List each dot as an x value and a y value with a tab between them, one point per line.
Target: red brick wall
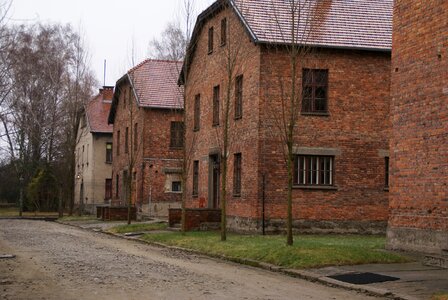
419	173
357	125
153	155
207	71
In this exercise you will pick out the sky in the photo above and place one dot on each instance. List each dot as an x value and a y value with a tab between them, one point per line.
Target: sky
111	28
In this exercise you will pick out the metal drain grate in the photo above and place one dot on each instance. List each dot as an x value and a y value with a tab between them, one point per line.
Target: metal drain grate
363	278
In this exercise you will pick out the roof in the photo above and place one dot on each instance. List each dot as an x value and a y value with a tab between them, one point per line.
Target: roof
353	24
155	84
97	111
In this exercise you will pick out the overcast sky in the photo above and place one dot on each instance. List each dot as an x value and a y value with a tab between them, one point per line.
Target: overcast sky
109	26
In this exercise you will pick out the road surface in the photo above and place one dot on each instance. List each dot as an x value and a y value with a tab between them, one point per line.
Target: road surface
55	261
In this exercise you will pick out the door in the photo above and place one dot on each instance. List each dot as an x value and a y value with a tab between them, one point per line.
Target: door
214	180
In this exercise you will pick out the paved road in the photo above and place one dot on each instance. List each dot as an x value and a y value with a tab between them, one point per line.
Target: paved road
56	261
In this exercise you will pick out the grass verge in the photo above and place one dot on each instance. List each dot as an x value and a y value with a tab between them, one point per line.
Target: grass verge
308	251
440	296
78	218
138	227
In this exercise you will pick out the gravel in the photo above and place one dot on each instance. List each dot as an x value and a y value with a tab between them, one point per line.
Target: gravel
55	261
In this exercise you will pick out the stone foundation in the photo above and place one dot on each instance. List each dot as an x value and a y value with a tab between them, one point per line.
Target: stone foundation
274	226
420	240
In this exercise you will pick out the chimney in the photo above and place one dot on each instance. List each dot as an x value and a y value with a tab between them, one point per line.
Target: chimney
107	92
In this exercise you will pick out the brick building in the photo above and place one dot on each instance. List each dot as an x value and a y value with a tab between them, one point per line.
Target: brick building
342	139
419	115
147	116
93	154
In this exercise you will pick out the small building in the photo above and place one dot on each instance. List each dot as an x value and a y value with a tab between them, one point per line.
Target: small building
342	137
146	114
93	154
419	136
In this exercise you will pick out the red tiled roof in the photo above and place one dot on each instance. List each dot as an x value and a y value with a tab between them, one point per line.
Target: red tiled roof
356	24
97	111
155	83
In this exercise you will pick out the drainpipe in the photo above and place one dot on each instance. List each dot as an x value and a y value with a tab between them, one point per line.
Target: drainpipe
263	198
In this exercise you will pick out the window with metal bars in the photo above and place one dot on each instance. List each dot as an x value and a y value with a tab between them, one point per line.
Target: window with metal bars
223	31
315	91
210	40
239	97
237	159
314	170
195	178
177	135
216	105
197	112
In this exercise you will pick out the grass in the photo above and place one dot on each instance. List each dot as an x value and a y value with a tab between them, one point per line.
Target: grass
138	227
78	218
308	251
440	296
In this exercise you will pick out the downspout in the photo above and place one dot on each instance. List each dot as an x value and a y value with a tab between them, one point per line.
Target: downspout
263	199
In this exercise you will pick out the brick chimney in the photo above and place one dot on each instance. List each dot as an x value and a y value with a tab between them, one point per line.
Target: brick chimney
107	92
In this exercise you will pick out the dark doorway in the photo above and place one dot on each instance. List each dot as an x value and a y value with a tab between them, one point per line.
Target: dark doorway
214	180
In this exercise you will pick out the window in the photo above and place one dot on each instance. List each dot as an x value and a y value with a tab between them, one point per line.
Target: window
197	112
135	137
177	135
216	105
108	153
126	140
195	177
176	186
117	178
386	169
210	40
313	170
239	97
108	189
118	143
237	174
125	96
315	91
223	31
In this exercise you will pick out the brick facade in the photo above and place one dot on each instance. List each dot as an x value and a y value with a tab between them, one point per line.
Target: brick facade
355	131
419	114
154	164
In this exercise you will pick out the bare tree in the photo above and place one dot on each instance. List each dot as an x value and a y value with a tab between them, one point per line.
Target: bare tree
298	15
172	43
41	59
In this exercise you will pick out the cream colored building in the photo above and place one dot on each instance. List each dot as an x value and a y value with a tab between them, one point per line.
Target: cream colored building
93	154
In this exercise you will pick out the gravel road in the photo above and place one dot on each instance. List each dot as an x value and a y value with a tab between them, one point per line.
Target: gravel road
55	261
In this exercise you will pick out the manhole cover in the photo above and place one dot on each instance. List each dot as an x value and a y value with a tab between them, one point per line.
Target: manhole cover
363	278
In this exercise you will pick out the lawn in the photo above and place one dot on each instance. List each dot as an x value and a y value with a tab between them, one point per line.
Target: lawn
138	227
308	251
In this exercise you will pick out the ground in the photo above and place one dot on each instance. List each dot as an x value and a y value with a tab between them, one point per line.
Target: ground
55	261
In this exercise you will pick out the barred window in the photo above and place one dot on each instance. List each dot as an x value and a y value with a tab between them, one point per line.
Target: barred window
177	135
239	97
216	105
195	177
210	40
197	112
237	174
313	170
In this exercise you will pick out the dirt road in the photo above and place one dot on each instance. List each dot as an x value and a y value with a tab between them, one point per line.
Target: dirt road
56	261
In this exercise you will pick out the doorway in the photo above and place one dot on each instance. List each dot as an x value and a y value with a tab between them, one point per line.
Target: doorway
214	181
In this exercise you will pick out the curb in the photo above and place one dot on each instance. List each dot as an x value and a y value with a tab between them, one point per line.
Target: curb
301	274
